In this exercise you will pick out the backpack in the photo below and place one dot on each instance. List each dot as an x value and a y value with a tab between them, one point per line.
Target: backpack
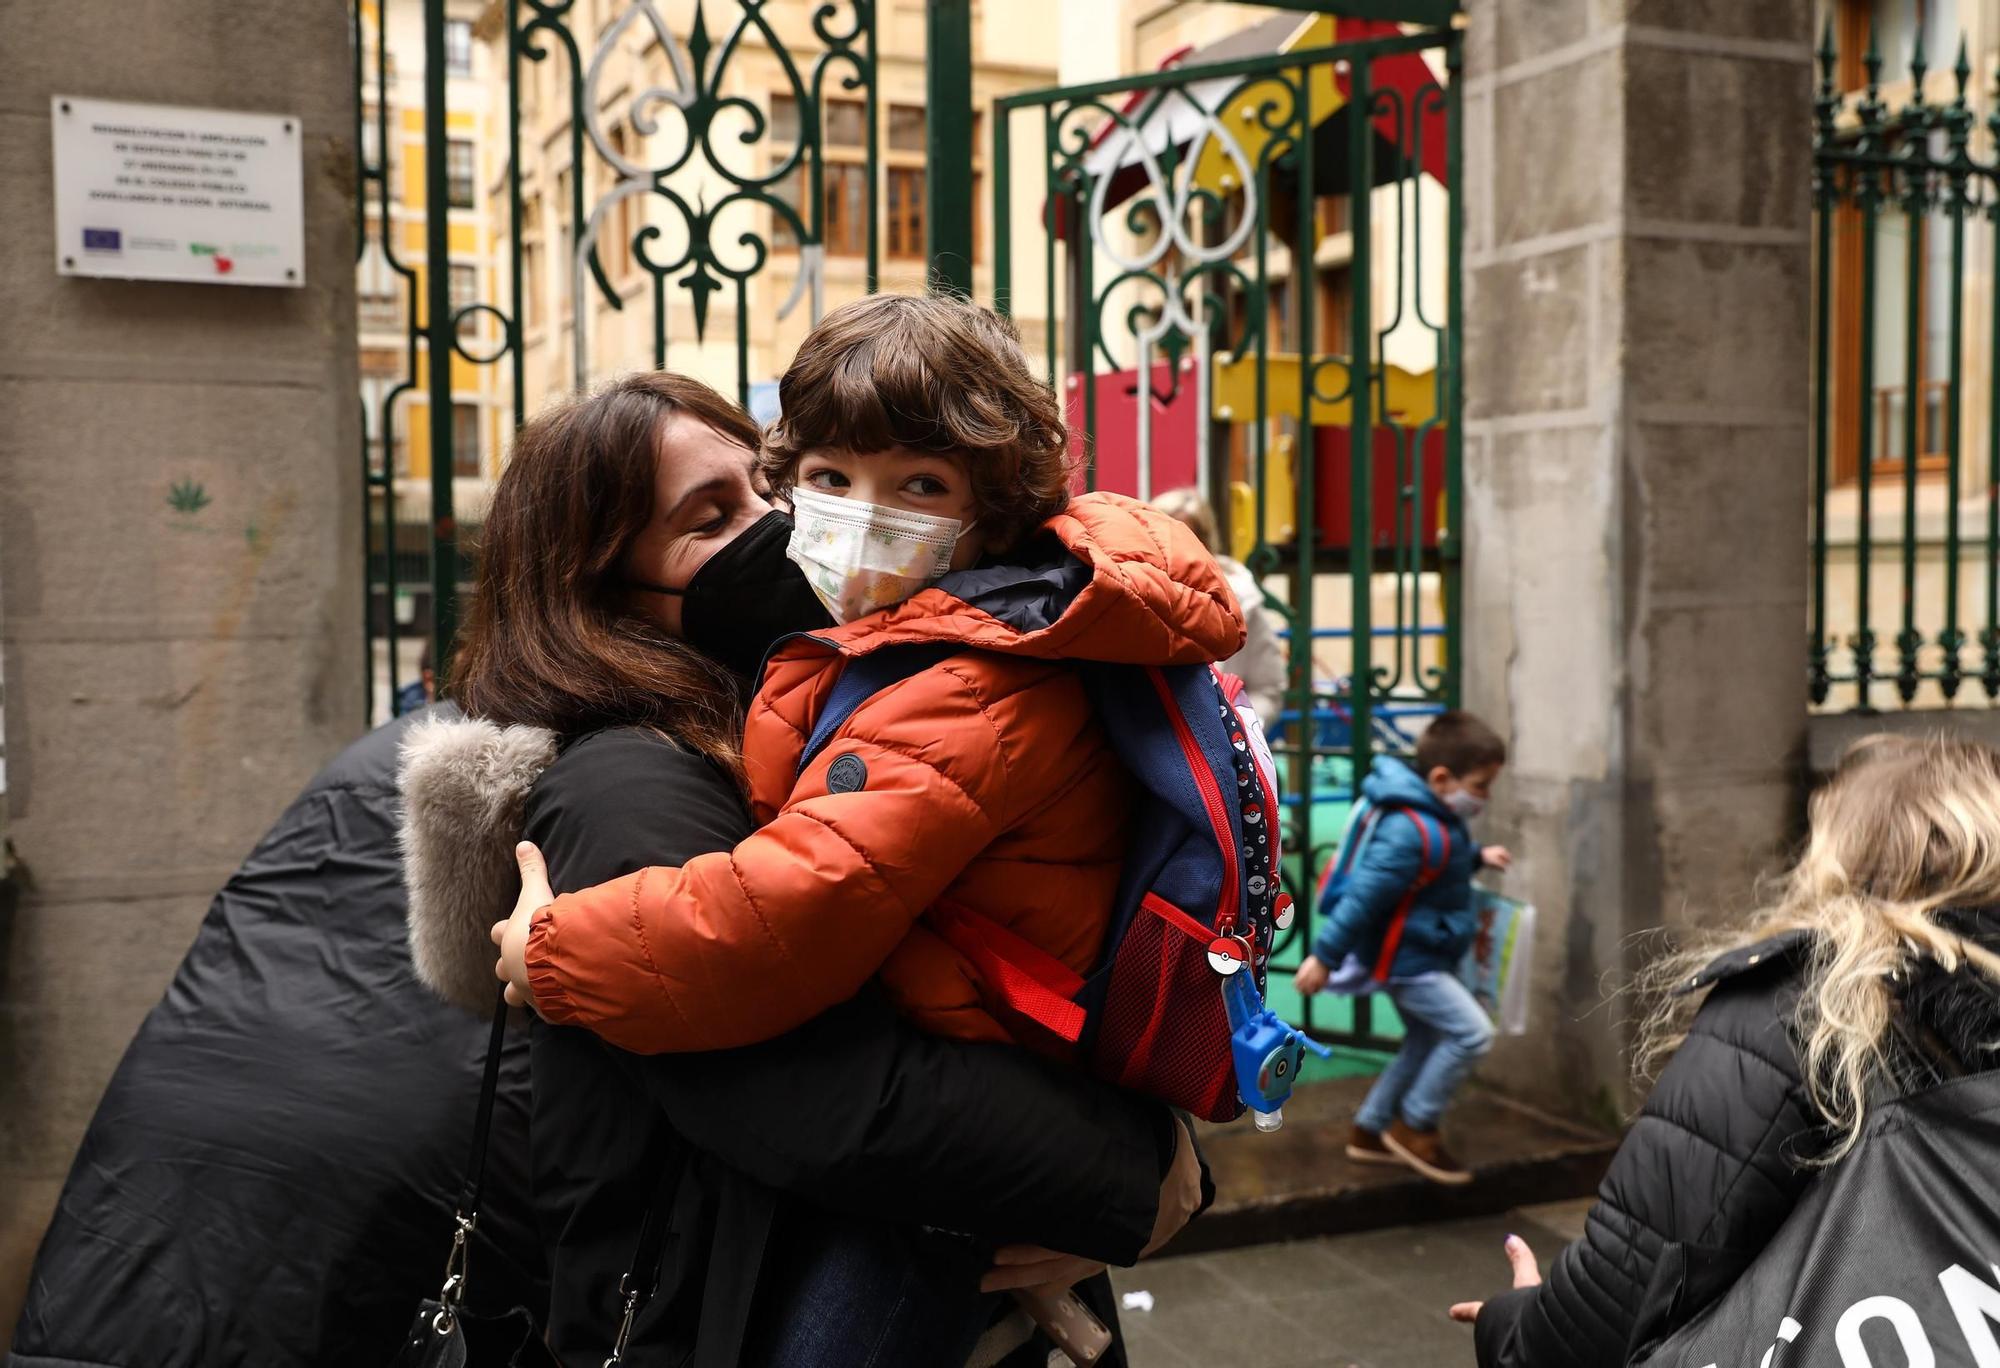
1889	1257
1361	825
1175	1007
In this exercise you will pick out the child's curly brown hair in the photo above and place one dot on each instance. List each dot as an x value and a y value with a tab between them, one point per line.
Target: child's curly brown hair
930	373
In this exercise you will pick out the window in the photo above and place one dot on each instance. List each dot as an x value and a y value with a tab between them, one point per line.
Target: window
371	139
783	130
533	276
1881	415
380	371
460	168
844	175
846	123
464	440
565	264
845	205
1887	338
1895	26
374	278
617	229
458	46
906	128
906	213
464	294
464	286
845	230
534	273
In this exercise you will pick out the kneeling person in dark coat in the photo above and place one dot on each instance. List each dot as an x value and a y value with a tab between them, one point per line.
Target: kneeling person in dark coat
269	1178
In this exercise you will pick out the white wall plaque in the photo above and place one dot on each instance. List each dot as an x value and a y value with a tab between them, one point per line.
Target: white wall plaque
158	192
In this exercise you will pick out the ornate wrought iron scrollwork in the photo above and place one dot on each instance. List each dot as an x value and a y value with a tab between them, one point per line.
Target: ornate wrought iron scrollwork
703	159
707	244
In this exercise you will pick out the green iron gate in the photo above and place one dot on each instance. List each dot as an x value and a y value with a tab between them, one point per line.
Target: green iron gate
1245	282
678	172
1224	229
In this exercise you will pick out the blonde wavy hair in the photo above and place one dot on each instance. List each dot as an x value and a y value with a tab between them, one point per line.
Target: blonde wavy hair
1907	827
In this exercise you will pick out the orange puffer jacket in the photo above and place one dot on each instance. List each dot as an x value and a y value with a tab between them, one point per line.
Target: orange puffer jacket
988	796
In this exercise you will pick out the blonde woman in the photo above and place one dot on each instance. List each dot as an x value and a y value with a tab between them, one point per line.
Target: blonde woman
1774	1037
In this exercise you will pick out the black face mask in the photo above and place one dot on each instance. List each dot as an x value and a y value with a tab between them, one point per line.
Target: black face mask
746	597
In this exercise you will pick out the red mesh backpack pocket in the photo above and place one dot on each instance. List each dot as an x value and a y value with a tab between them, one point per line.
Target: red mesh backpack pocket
1163	1029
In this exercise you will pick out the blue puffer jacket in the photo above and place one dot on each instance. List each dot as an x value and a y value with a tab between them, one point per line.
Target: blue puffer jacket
1442	921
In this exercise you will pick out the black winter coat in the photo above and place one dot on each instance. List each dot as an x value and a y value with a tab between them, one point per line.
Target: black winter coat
268	1180
1711	1168
858	1113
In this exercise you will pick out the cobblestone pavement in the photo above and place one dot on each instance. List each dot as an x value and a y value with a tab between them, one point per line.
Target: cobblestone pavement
1374	1300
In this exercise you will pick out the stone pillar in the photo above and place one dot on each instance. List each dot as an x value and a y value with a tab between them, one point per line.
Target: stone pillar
1637	268
176	667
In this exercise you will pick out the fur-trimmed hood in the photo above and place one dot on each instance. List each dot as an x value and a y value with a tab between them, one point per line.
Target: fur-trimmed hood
463	783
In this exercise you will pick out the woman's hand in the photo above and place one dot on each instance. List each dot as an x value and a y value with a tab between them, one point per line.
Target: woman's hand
512	935
1032	1266
1526	1274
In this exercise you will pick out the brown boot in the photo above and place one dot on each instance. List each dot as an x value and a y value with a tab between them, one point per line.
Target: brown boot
1365	1146
1424	1151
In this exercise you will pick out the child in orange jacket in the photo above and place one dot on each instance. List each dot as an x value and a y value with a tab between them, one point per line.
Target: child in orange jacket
972	816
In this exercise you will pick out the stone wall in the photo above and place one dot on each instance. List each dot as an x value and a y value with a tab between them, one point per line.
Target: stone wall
1637	270
173	673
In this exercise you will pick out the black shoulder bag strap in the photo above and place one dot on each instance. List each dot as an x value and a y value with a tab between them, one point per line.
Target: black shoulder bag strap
467	1215
636	1287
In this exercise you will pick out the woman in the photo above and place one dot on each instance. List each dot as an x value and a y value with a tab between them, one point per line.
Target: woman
1886	932
791	1177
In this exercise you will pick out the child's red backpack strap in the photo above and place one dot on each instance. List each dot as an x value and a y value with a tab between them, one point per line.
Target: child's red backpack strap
1028	982
1427	874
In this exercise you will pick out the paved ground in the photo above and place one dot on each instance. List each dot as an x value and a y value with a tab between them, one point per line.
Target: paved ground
1299	1181
1370	1300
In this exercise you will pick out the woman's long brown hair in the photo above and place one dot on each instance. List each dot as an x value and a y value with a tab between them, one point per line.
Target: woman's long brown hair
550	639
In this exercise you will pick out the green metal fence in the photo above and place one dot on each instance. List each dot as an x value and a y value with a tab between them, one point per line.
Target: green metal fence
1906	450
646	113
1247	283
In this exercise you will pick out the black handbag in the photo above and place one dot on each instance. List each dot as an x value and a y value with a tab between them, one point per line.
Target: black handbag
445	1333
1891	1257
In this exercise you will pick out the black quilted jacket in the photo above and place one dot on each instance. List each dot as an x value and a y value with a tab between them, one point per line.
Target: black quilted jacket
1710	1169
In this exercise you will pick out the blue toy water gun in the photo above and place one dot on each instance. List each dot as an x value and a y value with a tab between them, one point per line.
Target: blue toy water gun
1269	1051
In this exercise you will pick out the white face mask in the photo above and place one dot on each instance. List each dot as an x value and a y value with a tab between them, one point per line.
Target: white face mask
1464	804
860	557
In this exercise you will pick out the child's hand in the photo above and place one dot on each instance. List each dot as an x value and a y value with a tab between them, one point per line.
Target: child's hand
512	935
1496	857
1312	976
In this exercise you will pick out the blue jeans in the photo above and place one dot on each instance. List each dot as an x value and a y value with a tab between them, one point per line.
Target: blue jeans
1445	1032
845	1293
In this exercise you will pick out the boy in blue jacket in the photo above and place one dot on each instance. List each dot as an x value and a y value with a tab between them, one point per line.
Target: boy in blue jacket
1402	921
